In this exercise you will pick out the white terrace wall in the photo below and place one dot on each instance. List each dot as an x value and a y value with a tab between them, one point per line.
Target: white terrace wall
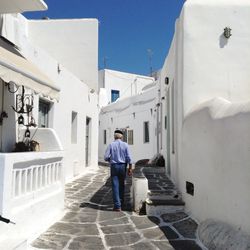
75	96
131	113
211	92
128	84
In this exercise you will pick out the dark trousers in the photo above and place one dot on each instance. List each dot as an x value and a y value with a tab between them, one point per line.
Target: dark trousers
118	175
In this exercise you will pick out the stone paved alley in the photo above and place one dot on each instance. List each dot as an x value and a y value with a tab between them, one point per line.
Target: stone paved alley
90	223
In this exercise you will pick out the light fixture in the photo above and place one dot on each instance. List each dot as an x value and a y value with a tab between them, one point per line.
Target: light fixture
166	80
20	120
227	32
27	133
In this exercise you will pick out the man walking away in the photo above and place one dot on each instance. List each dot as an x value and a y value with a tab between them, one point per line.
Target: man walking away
117	154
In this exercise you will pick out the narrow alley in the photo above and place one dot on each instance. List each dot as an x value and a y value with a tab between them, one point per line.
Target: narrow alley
90	223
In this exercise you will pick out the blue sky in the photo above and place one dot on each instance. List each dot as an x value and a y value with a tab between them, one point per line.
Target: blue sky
128	28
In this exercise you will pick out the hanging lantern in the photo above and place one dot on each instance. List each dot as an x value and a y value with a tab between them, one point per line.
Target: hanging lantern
27	133
20	119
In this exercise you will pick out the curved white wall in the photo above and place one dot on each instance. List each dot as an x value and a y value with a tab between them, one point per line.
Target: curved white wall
215	158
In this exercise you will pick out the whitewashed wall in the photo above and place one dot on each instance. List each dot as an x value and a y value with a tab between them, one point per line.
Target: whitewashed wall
75	96
128	84
131	113
214	65
216	145
211	98
73	43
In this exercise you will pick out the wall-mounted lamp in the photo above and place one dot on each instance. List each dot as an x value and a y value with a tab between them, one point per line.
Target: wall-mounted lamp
166	80
227	32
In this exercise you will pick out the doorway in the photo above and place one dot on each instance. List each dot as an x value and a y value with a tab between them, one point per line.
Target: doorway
87	141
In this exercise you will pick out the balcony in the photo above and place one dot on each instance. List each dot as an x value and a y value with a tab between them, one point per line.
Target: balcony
31	190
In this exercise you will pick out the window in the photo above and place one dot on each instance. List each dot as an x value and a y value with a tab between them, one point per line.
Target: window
130	137
105	136
74	127
115	94
146	132
43	116
125	134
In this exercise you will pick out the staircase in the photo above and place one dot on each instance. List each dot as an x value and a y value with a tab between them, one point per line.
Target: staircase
162	195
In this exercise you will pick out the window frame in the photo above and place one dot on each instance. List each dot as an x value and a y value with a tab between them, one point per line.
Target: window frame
104	136
144	132
46	115
115	94
130	136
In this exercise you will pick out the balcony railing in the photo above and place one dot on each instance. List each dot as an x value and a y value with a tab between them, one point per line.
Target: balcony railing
34	178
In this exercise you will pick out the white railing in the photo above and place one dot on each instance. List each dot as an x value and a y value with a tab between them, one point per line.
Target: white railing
28	178
31	189
31	193
34	178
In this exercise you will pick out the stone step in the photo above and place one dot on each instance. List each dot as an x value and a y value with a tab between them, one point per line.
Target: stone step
164	197
169	192
165	202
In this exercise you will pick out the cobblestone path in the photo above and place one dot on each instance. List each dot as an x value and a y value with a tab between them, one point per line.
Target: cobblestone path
90	223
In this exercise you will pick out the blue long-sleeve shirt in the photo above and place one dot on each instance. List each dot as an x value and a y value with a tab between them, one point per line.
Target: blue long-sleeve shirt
118	152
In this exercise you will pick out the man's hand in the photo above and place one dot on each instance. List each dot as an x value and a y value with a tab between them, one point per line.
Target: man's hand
130	170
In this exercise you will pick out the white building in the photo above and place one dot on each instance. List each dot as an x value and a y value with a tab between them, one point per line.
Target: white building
116	84
134	111
65	106
73	44
206	82
204	111
136	116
